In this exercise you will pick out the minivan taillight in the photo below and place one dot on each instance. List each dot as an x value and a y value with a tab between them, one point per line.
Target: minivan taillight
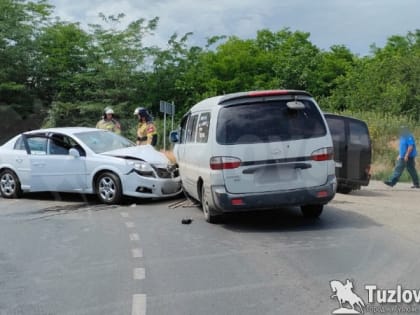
323	154
224	162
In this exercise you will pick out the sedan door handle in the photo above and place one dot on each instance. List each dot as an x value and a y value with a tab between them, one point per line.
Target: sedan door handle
39	164
19	160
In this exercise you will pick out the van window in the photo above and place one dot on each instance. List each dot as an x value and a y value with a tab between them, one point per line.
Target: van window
359	134
183	129
268	122
203	128
191	128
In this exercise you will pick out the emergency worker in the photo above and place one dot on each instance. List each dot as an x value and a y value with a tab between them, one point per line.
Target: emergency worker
108	122
146	129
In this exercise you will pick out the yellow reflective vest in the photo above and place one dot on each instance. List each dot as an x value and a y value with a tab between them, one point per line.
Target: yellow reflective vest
111	125
145	133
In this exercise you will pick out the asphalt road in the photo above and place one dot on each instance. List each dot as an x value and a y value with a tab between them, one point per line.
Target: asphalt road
69	255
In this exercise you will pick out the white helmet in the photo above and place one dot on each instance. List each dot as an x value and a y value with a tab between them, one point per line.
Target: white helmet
108	110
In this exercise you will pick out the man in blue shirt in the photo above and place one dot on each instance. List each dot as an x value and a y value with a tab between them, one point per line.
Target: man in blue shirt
408	153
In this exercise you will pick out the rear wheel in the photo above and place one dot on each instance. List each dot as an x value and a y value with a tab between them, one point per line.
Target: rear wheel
312	211
108	188
9	184
344	189
208	211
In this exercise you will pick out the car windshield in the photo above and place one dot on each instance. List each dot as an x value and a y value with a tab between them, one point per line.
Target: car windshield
268	122
103	141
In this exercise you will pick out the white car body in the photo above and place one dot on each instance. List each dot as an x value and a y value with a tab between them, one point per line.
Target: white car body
229	165
59	159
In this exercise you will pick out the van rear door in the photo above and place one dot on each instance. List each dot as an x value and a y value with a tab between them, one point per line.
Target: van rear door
267	146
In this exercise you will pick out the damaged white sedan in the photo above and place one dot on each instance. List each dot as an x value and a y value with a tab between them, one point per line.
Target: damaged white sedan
86	161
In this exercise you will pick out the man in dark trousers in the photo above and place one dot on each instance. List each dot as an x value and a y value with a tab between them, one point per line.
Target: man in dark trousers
406	158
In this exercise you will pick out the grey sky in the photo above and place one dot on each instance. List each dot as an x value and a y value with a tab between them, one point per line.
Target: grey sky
354	23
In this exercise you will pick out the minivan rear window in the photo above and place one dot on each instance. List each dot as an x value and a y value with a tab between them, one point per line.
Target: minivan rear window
268	122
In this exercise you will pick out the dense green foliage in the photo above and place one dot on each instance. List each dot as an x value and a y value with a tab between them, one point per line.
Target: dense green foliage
56	73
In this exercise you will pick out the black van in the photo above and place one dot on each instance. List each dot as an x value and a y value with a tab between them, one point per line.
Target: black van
352	151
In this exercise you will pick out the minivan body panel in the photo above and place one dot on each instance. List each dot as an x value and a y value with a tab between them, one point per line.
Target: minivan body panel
276	155
274	166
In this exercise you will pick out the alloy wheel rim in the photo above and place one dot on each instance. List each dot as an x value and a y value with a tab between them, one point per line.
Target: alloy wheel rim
107	188
7	184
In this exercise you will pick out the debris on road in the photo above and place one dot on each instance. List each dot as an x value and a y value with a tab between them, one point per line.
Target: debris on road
186	203
186	221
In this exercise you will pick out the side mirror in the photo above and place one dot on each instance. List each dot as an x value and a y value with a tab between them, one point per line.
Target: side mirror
174	137
74	153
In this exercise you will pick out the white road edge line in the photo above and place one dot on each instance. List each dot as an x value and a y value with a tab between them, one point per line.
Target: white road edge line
124	214
137	252
130	225
134	237
139	274
139	304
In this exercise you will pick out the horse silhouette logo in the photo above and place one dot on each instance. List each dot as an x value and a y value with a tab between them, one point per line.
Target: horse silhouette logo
345	296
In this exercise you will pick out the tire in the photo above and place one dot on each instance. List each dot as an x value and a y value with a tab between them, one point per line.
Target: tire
312	211
208	211
344	190
108	188
10	184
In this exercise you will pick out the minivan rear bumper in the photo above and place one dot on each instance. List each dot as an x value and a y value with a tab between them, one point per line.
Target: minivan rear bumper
227	202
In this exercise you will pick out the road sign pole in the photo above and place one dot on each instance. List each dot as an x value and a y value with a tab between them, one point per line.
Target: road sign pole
164	131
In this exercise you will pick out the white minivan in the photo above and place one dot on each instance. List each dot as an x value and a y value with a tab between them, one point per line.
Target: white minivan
256	150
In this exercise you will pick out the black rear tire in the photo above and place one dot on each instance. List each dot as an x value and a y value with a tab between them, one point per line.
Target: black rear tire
312	211
10	184
208	211
108	188
344	189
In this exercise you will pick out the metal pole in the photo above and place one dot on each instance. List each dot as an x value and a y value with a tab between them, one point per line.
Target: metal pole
173	114
164	131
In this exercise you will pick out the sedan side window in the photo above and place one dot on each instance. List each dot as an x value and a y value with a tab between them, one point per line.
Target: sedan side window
37	145
19	144
61	144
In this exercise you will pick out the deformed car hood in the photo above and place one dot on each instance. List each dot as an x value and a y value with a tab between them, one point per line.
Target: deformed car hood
144	152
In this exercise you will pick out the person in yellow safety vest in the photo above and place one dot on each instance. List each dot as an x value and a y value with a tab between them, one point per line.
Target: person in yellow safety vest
146	129
108	122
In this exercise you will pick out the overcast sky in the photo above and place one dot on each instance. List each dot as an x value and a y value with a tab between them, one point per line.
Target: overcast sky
354	23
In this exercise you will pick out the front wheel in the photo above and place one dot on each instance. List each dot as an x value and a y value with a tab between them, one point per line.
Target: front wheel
207	209
108	188
312	211
10	184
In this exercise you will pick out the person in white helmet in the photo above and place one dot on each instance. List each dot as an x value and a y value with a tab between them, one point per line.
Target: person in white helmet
108	122
146	129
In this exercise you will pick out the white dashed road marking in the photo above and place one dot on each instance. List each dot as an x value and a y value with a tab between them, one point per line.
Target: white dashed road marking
139	300
137	252
134	237
130	225
139	304
139	274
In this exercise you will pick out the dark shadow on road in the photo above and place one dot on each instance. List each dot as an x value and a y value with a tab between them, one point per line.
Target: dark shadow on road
367	193
291	220
90	200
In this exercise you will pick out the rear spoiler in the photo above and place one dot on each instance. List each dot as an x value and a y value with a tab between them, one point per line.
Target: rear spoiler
230	98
